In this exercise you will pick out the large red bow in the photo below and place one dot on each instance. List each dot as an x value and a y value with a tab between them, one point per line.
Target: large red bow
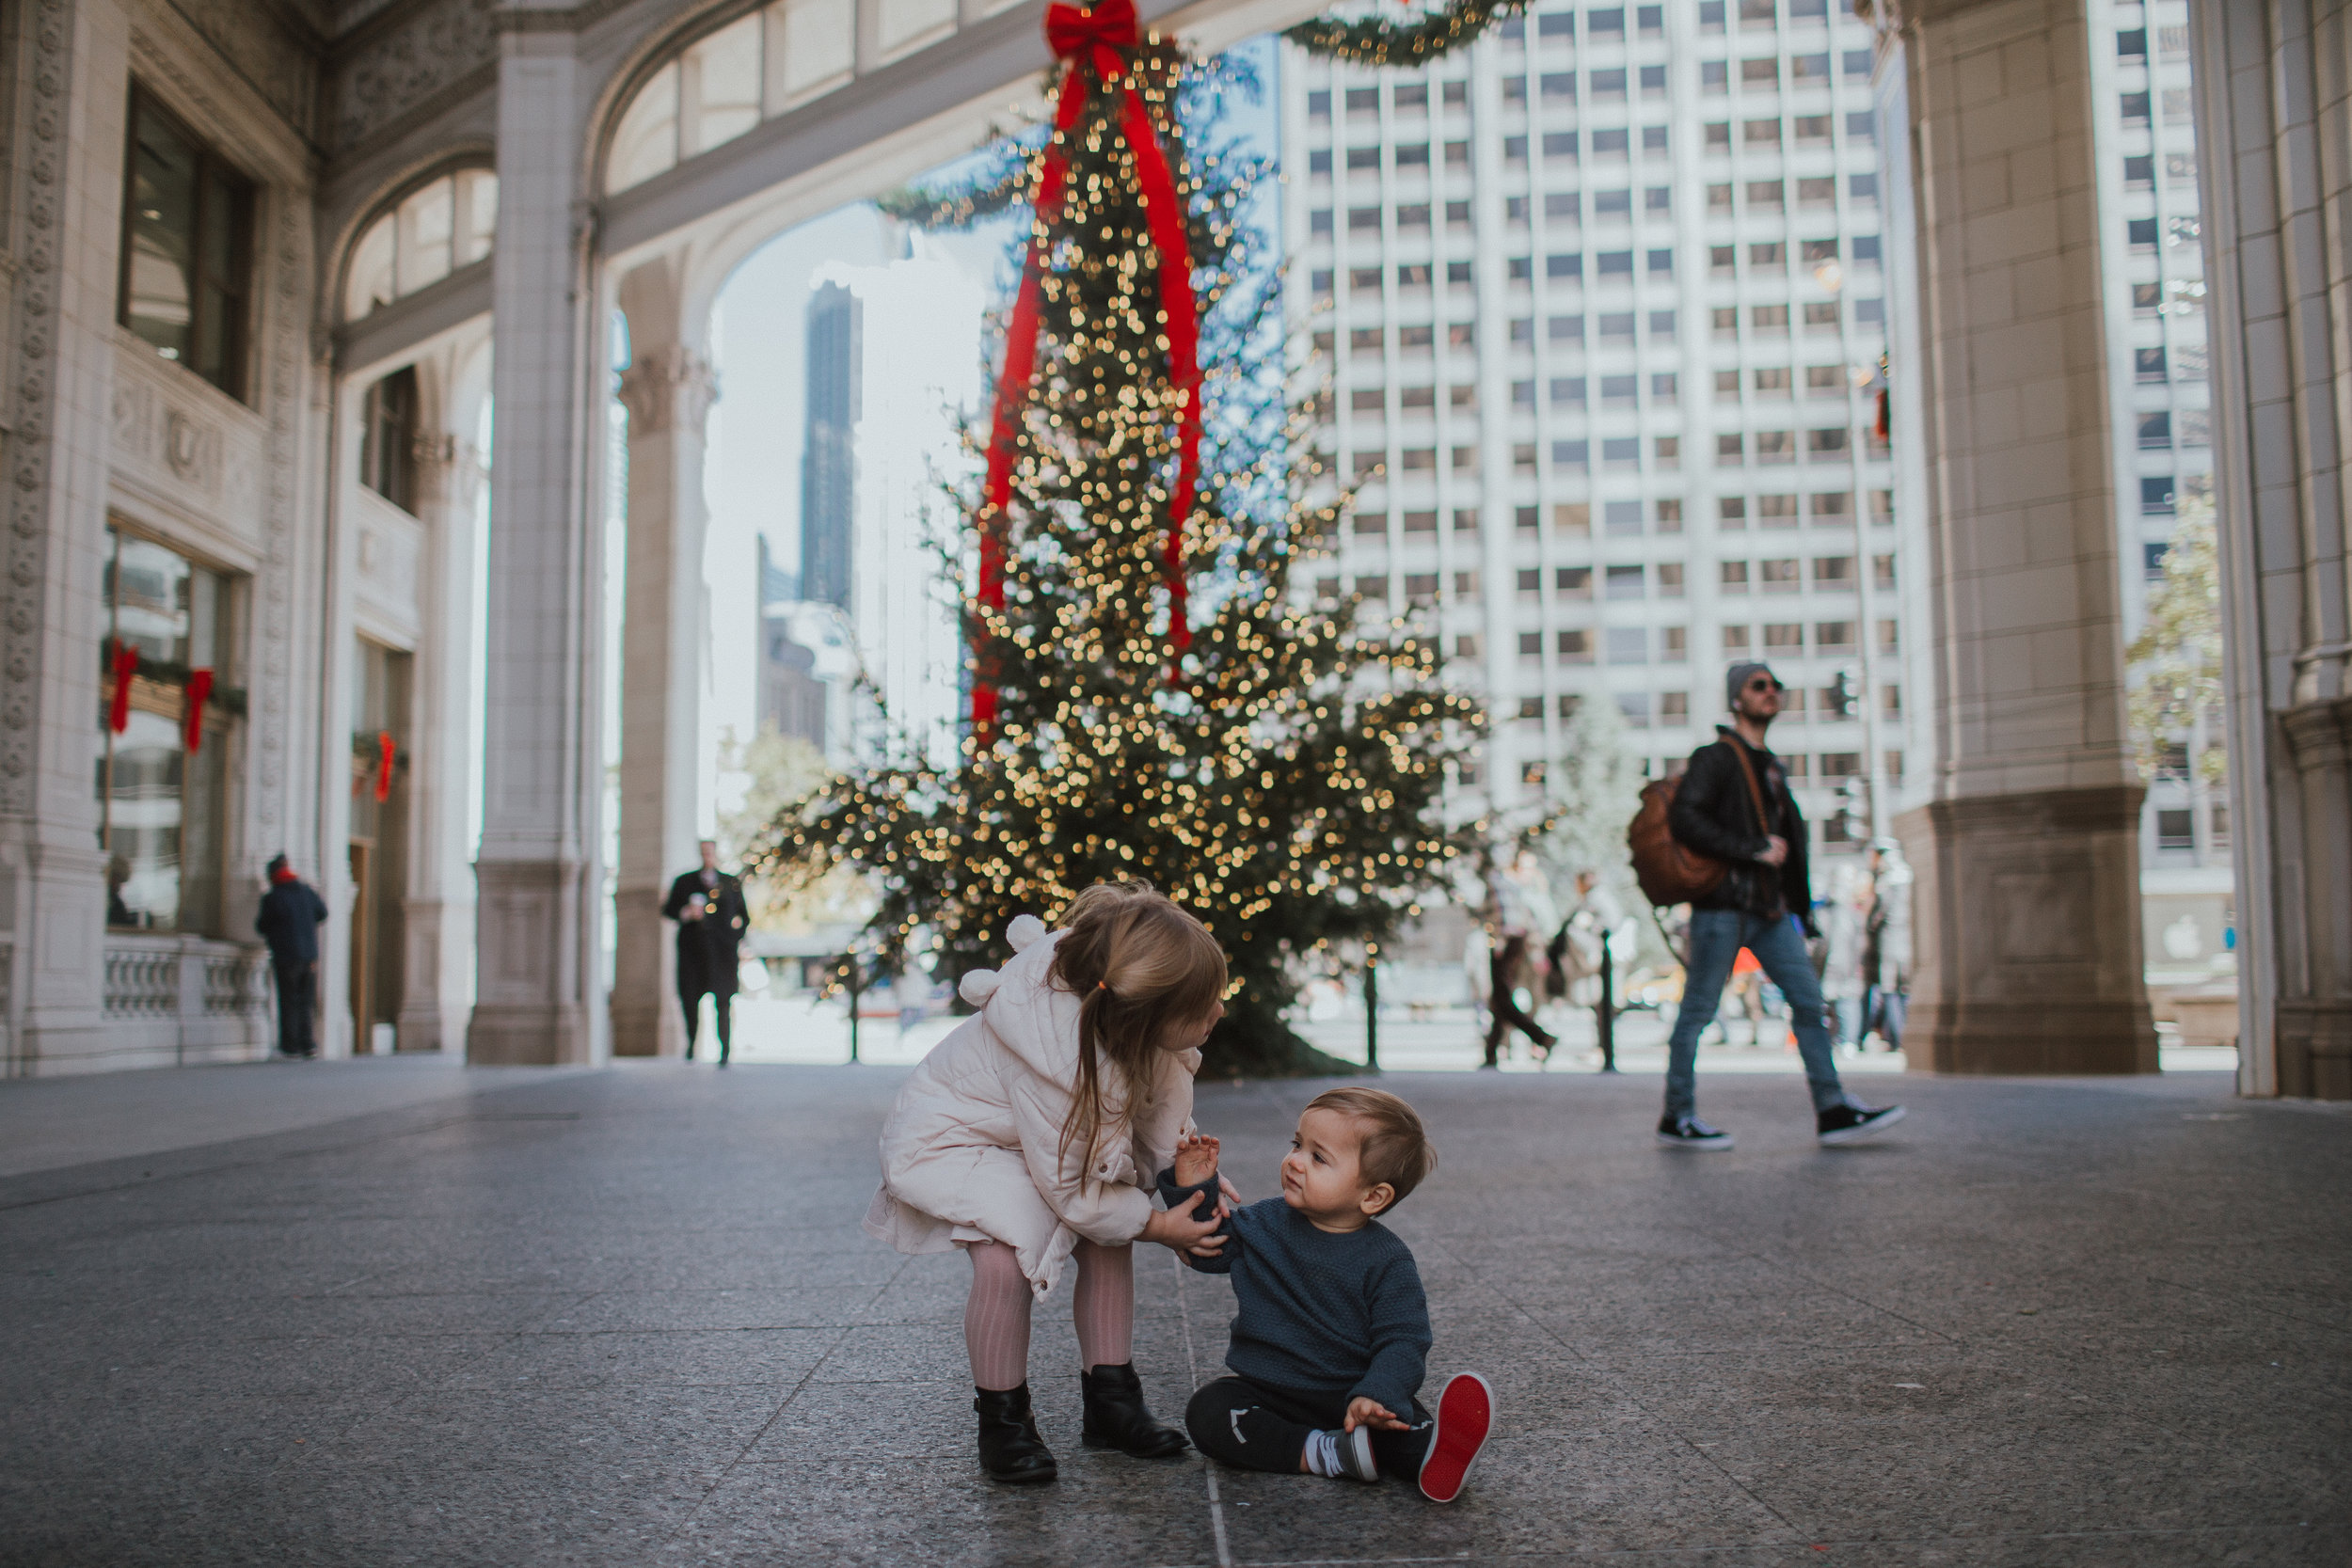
1094	37
1103	31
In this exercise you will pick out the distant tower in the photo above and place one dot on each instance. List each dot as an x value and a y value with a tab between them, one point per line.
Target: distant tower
828	463
791	697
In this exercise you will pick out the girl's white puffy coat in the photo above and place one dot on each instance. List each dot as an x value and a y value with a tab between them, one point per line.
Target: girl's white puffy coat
973	1149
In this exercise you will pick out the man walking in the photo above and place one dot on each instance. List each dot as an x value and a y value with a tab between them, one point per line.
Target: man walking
710	913
292	912
1734	804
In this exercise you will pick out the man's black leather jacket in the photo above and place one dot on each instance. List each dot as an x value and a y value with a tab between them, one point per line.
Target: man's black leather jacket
1714	813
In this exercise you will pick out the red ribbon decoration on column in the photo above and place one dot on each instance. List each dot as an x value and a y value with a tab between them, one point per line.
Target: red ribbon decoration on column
1093	38
192	723
384	753
126	666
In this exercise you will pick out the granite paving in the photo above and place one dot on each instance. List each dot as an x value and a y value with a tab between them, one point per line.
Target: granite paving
627	1317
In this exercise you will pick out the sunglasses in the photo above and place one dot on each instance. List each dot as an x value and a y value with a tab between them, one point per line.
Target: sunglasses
1765	683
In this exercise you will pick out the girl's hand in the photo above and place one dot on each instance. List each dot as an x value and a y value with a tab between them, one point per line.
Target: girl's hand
1177	1228
1196	1159
1364	1411
1231	1200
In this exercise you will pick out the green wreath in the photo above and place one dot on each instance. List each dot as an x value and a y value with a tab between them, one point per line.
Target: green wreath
1375	42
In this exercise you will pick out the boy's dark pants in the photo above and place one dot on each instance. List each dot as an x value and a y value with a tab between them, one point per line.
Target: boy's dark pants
1256	1428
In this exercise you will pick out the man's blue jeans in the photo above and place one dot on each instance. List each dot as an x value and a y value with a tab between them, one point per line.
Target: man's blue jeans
1716	938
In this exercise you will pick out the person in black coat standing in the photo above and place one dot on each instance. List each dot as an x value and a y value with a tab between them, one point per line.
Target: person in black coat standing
710	913
292	913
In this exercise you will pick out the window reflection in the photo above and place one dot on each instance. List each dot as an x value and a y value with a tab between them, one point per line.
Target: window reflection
165	669
187	222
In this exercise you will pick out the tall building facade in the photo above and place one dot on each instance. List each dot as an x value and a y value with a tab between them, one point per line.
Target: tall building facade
2144	108
829	452
1600	305
791	696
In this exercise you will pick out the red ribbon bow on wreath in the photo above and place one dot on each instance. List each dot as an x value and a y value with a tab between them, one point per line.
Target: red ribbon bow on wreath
1092	41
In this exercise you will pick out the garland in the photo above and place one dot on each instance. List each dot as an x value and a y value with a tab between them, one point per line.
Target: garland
1094	43
1373	41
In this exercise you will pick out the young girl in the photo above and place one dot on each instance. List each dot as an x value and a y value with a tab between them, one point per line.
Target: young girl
1037	1130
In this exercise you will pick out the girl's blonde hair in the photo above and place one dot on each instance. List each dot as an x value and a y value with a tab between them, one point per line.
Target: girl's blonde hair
1142	967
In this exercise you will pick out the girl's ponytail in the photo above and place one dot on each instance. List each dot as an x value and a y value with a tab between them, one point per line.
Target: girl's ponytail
1142	969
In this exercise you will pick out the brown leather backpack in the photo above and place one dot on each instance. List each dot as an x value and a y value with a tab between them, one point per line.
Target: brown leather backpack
1669	871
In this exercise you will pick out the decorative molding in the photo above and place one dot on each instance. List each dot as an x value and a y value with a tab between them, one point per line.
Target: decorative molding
411	59
280	68
175	438
34	329
450	470
286	266
670	388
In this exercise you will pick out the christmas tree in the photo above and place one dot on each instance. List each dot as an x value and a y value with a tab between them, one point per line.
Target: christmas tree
1272	765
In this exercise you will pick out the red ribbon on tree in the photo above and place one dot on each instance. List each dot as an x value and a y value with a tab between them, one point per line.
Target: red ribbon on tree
1092	40
192	723
126	666
384	754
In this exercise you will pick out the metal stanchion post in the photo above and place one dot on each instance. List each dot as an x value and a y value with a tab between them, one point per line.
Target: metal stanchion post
1605	1012
855	980
1371	1006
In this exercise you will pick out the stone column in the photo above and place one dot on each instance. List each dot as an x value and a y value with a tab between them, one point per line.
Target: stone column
667	389
539	995
2027	899
64	170
2274	128
437	914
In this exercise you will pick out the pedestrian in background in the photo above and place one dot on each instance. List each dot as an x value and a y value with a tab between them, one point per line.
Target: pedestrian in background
292	913
1886	945
710	913
1734	805
1514	971
1841	917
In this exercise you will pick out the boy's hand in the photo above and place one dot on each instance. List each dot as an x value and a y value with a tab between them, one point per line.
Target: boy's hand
1365	1411
1196	1159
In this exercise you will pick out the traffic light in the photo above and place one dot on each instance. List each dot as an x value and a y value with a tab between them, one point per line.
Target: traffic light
1844	697
1853	821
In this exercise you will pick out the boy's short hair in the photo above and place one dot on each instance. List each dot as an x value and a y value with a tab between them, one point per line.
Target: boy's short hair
1395	1149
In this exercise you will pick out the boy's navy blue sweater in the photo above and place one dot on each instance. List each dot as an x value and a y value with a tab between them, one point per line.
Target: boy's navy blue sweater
1331	1314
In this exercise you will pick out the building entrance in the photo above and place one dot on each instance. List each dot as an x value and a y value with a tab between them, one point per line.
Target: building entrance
379	844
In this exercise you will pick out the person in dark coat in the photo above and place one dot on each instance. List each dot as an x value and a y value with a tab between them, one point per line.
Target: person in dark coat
712	915
1764	904
292	913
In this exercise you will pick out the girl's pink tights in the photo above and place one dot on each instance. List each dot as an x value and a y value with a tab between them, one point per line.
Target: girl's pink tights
996	1314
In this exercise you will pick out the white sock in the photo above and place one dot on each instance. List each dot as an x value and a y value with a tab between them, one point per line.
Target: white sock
1322	1453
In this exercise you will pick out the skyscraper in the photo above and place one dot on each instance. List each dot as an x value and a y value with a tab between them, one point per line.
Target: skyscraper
2159	399
1600	302
829	455
791	697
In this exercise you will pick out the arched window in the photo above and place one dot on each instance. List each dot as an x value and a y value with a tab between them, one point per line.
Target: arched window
436	229
754	68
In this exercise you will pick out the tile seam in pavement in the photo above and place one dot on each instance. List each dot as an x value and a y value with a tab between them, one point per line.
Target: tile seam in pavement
99	1177
1637	1553
1192	1363
1615	1384
2244	1302
687	1523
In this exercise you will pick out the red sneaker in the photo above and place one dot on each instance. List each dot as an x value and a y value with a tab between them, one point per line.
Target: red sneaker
1466	1413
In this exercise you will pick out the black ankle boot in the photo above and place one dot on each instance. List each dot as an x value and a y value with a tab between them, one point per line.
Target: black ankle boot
1116	1418
1010	1449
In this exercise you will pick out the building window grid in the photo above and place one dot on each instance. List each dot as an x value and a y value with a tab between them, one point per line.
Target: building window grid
1542	350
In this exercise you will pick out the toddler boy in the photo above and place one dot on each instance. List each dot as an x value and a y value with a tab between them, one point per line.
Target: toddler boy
1328	1344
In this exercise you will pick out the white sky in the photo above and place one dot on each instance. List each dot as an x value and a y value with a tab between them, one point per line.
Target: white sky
752	476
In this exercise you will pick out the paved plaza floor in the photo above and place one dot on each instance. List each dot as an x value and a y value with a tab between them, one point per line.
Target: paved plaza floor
627	1317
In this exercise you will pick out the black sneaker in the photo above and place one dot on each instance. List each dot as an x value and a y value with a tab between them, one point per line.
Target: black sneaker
1355	1457
1690	1133
1851	1124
